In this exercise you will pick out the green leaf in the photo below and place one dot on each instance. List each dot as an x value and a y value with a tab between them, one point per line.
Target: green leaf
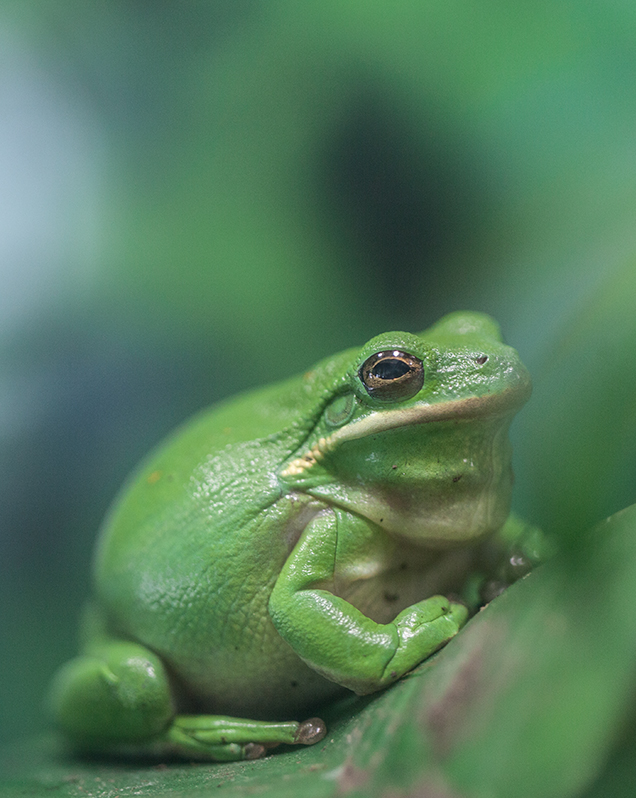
527	701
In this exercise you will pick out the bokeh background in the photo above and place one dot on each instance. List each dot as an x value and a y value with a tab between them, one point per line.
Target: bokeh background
199	197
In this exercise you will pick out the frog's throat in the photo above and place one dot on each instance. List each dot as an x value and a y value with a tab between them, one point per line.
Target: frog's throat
507	401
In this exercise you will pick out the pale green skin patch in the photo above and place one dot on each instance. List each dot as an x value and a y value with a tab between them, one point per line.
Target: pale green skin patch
295	542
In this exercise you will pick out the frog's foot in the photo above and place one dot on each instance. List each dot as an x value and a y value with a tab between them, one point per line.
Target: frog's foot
221	738
423	629
507	557
117	699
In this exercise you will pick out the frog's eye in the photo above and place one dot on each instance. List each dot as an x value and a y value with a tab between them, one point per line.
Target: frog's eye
392	375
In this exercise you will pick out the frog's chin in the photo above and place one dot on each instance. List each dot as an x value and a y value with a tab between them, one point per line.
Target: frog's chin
421	494
429	520
435	475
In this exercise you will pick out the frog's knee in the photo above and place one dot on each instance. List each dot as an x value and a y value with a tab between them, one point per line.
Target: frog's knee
119	693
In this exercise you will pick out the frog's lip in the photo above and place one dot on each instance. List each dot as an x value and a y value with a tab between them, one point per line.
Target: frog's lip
505	402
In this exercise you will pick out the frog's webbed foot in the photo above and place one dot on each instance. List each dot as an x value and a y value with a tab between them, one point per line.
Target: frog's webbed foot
222	738
117	699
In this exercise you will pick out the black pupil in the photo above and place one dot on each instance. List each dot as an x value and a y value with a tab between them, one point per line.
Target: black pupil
390	369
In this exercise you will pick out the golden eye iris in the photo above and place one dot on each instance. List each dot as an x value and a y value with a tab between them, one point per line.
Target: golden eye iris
392	375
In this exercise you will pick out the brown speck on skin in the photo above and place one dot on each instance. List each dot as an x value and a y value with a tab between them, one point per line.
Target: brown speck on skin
457	478
154	477
394	467
390	597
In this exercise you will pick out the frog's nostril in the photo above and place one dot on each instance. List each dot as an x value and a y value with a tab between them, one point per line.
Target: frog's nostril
481	360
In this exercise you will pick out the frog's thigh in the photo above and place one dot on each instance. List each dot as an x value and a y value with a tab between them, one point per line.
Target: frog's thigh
117	693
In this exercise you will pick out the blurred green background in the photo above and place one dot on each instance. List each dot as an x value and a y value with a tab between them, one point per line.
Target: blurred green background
200	197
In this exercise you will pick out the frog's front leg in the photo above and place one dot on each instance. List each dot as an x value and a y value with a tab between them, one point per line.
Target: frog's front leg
335	638
117	697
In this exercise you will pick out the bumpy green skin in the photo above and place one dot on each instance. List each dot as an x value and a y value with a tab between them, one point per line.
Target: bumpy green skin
294	542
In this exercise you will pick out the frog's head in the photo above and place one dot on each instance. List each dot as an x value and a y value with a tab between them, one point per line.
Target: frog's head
412	432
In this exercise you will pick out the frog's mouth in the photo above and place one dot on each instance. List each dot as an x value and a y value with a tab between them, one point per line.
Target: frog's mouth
505	402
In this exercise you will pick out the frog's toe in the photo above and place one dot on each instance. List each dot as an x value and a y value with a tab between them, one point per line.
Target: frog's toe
253	751
225	738
311	731
491	589
459	612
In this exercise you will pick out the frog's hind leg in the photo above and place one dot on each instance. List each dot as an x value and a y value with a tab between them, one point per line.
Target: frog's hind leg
117	698
117	692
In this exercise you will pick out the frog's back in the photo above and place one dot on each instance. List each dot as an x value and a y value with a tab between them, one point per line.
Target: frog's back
222	464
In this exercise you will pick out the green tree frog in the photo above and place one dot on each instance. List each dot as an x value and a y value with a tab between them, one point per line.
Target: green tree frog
320	535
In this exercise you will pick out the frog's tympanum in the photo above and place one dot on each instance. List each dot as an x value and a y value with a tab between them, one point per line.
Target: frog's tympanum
324	534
